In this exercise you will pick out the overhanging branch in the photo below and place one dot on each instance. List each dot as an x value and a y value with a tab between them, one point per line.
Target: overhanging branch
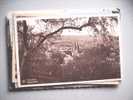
60	29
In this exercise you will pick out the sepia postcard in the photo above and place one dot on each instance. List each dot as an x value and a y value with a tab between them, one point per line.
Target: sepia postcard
64	49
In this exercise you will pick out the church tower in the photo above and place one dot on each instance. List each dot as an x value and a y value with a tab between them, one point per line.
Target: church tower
75	49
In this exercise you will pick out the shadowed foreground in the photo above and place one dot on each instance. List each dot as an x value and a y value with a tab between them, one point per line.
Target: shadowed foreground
86	60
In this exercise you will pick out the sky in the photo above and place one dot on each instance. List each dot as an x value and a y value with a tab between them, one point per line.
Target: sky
40	26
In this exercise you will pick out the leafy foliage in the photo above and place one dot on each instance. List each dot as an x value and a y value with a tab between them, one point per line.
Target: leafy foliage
94	58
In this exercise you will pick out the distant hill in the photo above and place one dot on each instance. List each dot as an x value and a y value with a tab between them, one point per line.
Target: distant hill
69	42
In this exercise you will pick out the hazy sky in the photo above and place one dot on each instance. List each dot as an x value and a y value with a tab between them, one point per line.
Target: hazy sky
40	26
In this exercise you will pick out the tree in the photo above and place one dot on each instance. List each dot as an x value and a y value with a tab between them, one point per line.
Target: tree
51	28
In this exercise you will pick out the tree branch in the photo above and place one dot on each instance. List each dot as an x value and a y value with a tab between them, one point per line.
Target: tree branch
62	28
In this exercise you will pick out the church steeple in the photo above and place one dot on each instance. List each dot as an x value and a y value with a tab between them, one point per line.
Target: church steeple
75	49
